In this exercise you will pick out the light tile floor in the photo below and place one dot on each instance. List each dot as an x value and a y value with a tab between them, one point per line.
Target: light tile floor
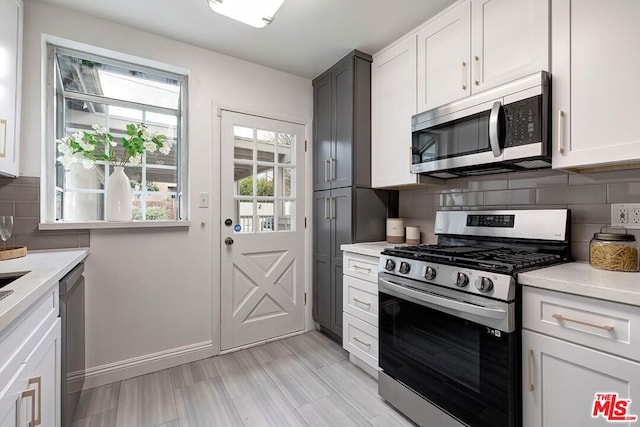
306	380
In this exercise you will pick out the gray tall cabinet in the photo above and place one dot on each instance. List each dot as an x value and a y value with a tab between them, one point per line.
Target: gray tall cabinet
346	209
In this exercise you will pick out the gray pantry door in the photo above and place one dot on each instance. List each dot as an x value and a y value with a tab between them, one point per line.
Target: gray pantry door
262	229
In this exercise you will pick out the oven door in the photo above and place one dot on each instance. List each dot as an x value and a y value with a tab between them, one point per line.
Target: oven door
439	345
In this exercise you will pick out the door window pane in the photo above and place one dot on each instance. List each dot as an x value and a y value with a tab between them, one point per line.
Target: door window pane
265	211
243	180
244	216
286	215
243	143
286	180
264	181
286	148
266	146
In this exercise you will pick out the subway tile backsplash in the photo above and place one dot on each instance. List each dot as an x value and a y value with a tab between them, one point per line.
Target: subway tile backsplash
20	197
589	196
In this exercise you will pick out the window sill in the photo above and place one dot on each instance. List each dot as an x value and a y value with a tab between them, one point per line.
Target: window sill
99	225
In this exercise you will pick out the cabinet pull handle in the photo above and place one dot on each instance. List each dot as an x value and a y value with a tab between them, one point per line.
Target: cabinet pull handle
530	370
476	70
410	158
362	302
361	342
580	322
32	395
357	267
332	204
560	131
327	203
464	75
332	169
326	171
38	381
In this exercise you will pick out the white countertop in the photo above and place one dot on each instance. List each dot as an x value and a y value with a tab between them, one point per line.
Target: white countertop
45	269
369	248
581	279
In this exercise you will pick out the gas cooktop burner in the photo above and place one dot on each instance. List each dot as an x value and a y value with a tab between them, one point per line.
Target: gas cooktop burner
504	260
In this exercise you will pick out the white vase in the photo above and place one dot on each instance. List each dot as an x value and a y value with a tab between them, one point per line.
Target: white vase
118	201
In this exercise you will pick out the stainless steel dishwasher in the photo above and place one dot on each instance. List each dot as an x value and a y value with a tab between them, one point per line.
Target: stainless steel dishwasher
72	348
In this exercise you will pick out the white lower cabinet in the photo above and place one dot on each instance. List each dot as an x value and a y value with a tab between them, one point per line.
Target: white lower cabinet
30	351
561	379
573	348
360	310
33	396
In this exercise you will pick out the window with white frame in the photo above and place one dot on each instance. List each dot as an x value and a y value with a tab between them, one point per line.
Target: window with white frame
90	91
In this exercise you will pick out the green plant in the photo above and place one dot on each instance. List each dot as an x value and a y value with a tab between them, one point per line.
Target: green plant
264	187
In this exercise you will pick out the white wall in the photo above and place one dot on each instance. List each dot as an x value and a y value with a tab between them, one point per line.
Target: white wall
153	292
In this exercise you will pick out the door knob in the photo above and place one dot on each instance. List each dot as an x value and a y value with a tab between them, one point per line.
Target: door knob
228	241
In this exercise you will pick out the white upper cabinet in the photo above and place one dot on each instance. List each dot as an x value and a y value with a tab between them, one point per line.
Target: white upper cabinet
443	58
480	44
595	63
393	102
509	40
10	85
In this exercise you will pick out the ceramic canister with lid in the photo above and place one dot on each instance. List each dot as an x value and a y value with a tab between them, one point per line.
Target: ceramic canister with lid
395	230
614	251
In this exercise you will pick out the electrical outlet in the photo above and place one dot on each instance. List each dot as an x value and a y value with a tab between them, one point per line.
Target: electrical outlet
625	215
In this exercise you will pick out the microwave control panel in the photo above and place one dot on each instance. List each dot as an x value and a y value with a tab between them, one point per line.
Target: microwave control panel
523	124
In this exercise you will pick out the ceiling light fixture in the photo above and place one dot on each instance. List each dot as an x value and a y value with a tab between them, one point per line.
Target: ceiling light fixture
257	13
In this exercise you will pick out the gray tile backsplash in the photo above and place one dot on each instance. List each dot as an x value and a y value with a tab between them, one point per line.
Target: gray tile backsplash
21	198
587	195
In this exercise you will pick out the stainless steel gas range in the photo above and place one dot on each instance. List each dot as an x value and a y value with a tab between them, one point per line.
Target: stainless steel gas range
449	318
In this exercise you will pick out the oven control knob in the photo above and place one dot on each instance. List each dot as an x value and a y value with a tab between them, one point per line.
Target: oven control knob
484	284
405	267
390	265
430	274
461	280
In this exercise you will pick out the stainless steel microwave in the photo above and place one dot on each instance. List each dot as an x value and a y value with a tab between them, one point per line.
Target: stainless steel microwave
499	130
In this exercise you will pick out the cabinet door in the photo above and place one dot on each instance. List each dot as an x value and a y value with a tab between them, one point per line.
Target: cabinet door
566	377
393	102
10	85
341	234
13	411
322	132
43	367
509	40
341	164
322	259
595	82
443	58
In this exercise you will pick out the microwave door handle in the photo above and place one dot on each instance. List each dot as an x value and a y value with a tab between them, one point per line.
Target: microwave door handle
494	129
441	301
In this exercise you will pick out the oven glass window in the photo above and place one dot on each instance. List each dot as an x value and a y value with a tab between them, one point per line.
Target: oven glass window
464	136
466	369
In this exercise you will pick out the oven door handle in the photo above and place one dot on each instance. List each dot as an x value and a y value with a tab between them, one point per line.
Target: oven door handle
441	301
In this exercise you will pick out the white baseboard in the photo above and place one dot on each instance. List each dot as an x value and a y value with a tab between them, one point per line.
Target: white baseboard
141	365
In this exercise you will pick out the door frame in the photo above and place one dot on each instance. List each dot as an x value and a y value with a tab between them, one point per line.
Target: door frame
216	219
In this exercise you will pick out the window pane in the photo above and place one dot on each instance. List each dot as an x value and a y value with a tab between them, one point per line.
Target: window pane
243	132
264	181
80	115
286	179
168	126
265	215
244	216
286	215
82	206
243	146
114	81
266	146
162	180
286	148
243	180
77	177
